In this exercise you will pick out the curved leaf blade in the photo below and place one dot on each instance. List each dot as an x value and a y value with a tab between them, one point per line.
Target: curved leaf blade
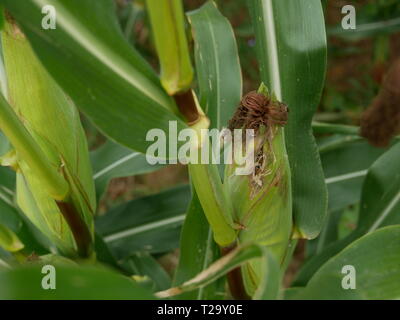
217	63
149	224
115	161
375	258
227	263
380	204
73	283
197	252
220	88
292	55
345	169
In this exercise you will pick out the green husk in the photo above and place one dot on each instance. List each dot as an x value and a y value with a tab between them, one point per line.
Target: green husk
54	129
262	201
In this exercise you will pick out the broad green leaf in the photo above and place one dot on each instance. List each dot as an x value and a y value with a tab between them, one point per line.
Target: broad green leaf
380	204
329	143
328	235
11	218
142	264
345	168
72	283
321	127
100	71
103	252
291	45
269	286
375	258
380	199
114	161
217	63
149	224
7	180
8	214
230	261
168	25
220	89
9	240
4	144
5	256
197	252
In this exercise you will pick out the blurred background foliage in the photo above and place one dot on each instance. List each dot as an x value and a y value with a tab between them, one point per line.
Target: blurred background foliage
357	63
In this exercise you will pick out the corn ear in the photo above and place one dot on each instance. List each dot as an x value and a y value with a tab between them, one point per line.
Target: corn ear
53	127
262	200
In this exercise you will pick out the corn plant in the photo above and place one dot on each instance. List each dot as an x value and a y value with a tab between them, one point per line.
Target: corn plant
236	233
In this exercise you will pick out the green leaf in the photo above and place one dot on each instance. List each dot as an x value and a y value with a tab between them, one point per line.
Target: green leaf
168	26
103	252
217	64
104	76
345	168
230	261
11	218
4	144
380	203
220	83
376	259
72	283
269	286
197	252
380	199
7	180
291	45
114	161
149	224
9	240
144	265
329	234
321	127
